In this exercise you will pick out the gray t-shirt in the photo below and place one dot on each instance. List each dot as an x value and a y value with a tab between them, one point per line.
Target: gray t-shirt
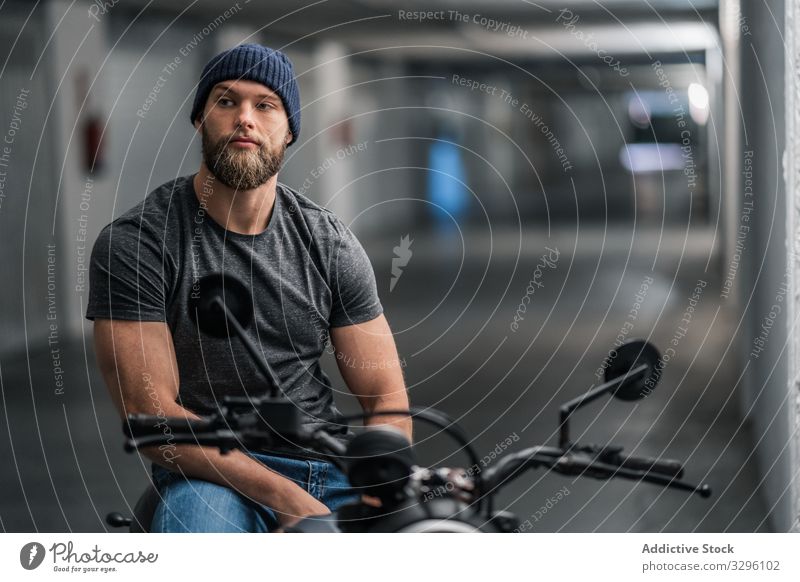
306	270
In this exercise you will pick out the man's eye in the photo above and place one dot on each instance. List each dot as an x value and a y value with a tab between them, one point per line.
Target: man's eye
221	99
265	106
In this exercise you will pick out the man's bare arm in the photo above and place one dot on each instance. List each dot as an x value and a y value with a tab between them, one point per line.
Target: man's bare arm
137	360
367	358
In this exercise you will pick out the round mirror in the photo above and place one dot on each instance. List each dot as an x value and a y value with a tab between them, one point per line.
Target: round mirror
627	357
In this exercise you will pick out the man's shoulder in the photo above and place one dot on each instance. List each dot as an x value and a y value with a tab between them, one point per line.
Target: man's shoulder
149	217
150	223
316	216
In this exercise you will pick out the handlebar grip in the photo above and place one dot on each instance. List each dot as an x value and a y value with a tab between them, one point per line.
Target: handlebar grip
668	467
141	425
218	439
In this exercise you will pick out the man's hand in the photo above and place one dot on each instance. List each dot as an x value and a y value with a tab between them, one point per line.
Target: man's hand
298	508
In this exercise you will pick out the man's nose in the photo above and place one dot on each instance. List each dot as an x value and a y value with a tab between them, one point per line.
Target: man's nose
246	115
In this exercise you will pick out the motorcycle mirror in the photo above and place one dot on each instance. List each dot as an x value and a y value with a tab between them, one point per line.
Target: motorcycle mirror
627	357
207	297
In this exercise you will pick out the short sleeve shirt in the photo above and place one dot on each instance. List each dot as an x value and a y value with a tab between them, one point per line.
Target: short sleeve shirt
306	271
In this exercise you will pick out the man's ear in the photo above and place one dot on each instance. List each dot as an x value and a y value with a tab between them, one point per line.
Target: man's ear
288	137
198	120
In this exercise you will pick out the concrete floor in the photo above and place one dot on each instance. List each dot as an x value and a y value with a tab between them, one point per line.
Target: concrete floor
64	466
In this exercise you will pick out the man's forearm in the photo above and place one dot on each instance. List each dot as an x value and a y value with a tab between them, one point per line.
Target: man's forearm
380	404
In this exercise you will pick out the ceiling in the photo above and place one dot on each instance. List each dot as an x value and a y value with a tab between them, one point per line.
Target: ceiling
373	17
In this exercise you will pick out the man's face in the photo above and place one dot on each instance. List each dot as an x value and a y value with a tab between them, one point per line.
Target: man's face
237	111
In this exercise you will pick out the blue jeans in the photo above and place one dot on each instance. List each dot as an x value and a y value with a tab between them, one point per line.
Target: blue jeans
194	505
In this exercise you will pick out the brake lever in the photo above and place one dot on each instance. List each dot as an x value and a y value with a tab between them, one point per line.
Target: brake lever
703	490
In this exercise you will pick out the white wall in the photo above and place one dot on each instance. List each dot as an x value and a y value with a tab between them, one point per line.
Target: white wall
42	176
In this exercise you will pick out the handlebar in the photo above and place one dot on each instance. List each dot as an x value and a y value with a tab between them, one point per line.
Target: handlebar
146	430
668	467
225	440
599	462
581	462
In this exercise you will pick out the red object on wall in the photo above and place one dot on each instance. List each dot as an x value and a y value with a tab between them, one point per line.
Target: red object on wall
91	125
93	144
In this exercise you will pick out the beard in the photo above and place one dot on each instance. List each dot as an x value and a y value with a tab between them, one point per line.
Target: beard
241	169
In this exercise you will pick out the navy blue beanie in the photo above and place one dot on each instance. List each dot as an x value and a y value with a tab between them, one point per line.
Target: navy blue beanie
253	62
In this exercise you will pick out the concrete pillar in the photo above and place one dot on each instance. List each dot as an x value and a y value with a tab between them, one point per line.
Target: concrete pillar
332	77
78	49
792	180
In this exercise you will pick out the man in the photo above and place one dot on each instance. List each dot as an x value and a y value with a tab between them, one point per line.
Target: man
312	285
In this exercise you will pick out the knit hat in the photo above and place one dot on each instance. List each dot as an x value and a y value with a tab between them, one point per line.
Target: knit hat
253	62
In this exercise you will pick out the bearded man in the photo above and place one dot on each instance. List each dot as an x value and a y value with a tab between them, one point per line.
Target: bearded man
312	287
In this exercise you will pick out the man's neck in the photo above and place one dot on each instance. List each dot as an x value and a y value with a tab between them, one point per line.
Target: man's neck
240	211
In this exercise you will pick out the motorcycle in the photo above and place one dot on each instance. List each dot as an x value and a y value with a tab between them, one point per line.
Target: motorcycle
379	461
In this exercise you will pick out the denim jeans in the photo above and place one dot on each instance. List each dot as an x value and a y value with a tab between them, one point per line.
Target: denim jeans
194	505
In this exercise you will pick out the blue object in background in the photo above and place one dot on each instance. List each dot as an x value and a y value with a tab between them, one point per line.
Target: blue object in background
446	183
